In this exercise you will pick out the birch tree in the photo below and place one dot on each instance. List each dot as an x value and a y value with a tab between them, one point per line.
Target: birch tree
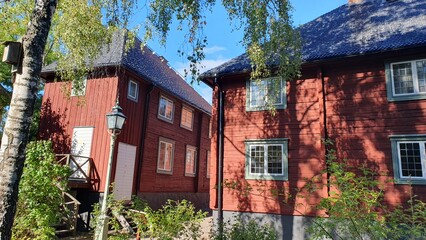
74	31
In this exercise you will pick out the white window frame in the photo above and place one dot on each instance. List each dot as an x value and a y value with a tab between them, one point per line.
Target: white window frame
416	94
252	85
183	124
266	143
191	151
161	168
130	95
165	117
396	140
81	92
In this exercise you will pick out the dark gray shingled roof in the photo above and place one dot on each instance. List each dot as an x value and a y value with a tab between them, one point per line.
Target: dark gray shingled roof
353	29
147	65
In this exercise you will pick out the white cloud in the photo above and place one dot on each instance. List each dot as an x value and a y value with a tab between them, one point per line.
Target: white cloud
205	65
204	90
213	49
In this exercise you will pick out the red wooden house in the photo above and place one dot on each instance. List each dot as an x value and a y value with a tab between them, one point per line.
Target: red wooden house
363	85
162	152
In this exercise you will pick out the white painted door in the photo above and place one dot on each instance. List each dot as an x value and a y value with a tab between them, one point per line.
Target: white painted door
81	146
124	171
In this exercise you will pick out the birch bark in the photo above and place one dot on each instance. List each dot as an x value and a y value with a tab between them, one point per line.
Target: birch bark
15	136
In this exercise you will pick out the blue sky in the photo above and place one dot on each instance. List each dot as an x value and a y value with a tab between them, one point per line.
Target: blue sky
224	42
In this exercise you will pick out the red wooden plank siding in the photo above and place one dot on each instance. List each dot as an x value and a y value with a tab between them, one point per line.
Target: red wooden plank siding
300	123
76	112
151	181
358	117
361	119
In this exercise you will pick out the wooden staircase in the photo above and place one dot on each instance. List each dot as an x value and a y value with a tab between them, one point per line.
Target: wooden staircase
126	219
68	223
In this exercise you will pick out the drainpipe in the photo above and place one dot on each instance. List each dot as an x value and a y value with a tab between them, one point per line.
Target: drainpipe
326	136
220	138
143	134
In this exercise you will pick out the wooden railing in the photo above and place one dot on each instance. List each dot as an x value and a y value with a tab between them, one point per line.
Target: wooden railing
72	206
80	166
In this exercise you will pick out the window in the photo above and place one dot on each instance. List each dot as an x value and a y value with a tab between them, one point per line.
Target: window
208	165
190	156
266	159
78	88
165	156
165	109
187	118
406	80
133	90
409	158
269	92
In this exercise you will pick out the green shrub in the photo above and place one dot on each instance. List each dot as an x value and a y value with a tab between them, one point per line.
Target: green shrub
242	230
355	208
40	196
174	219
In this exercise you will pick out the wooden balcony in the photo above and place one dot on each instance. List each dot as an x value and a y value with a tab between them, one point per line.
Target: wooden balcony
81	169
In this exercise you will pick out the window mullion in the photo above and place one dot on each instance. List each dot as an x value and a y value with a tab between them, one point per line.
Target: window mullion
265	159
415	78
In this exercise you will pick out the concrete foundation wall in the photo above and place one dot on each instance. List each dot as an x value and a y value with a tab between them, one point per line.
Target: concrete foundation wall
287	227
156	200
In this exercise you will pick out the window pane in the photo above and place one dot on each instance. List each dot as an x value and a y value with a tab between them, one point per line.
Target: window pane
257	93
166	108
274	91
421	75
186	119
190	161
275	159
266	90
402	78
168	158
161	161
78	88
132	90
410	159
165	156
257	159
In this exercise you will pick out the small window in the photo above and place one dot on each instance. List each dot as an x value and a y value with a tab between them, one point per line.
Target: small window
406	80
266	93
266	159
208	165
78	88
187	118
133	90
165	156
190	165
409	158
166	109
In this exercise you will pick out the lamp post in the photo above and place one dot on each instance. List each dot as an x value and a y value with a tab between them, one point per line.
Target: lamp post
115	121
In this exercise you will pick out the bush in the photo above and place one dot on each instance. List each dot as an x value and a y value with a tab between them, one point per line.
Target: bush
40	197
242	230
174	219
355	209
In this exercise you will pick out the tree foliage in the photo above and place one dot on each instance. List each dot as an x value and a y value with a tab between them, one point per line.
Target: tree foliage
40	194
80	28
73	32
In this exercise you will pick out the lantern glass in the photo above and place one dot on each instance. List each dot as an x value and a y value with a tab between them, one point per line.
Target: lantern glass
115	119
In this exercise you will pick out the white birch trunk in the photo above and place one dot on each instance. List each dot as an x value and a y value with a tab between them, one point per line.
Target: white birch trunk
15	135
